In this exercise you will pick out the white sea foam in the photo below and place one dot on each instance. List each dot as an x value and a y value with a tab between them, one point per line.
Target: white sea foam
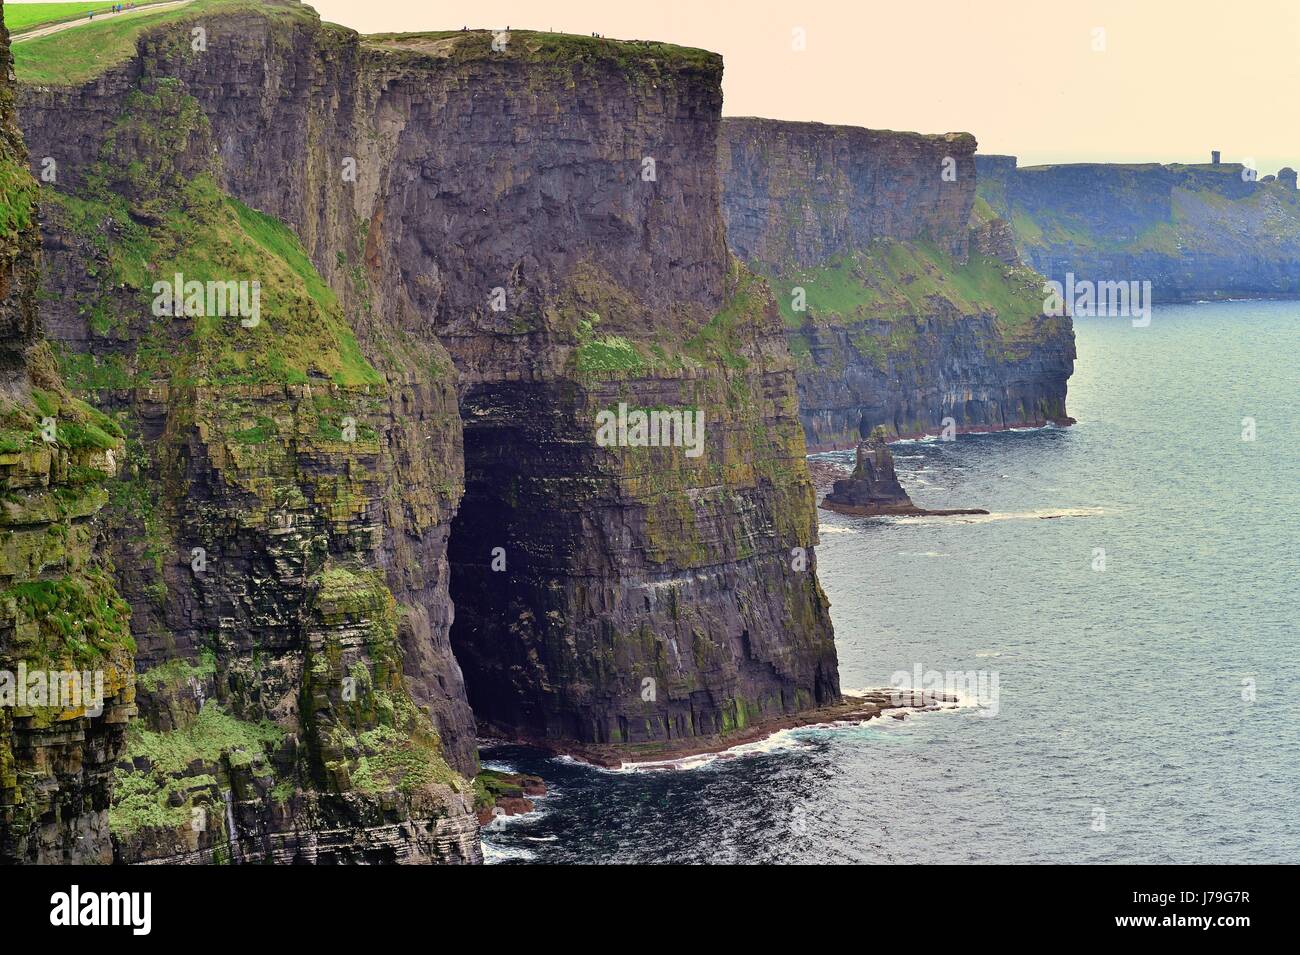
930	438
782	739
1041	514
502	821
494	853
924	439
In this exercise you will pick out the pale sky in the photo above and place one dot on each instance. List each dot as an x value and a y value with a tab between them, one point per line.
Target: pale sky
1173	78
1176	79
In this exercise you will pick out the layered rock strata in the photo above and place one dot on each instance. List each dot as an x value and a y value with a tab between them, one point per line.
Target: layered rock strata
1194	231
67	680
293	464
905	303
527	224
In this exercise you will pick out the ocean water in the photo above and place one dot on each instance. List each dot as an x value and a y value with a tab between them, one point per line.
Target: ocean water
1145	713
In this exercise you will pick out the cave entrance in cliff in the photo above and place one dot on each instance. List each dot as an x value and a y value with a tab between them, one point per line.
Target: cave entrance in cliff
506	528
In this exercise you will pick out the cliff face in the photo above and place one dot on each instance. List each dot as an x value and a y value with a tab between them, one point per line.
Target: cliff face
904	300
1193	231
282	526
538	223
800	194
638	594
67	683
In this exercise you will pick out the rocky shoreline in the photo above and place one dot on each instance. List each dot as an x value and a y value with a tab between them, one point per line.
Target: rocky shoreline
1063	421
505	794
872	704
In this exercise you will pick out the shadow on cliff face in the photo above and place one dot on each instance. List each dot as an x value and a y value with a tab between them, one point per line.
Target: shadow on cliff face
610	596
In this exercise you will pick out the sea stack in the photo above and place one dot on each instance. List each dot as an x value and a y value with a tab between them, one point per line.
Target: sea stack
874	488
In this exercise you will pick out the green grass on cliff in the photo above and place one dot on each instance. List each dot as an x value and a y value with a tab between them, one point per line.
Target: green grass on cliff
20	17
74	56
18	194
211	735
547	48
1203	214
77	619
981	212
159	795
176	672
722	338
898	281
719	340
25	16
79	427
209	236
145	218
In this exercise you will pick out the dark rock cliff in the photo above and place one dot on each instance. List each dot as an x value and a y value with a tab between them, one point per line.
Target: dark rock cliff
283	520
1193	231
537	226
60	617
905	303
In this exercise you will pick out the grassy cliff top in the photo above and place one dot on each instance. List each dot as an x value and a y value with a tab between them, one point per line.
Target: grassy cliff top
546	48
890	280
1200	213
85	50
801	126
20	17
1227	169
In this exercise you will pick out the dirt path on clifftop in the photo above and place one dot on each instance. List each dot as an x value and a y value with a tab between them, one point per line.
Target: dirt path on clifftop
102	17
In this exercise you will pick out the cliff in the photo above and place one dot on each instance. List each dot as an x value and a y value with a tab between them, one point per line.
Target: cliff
1194	231
904	300
280	532
67	682
529	235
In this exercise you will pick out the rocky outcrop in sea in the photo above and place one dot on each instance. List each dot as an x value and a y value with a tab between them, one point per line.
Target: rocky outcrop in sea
874	488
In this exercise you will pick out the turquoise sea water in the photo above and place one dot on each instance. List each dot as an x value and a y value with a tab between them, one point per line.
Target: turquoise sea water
1148	712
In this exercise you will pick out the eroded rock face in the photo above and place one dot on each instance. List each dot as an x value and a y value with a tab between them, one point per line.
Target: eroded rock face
282	528
874	489
1194	232
906	306
549	216
67	683
800	194
874	483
